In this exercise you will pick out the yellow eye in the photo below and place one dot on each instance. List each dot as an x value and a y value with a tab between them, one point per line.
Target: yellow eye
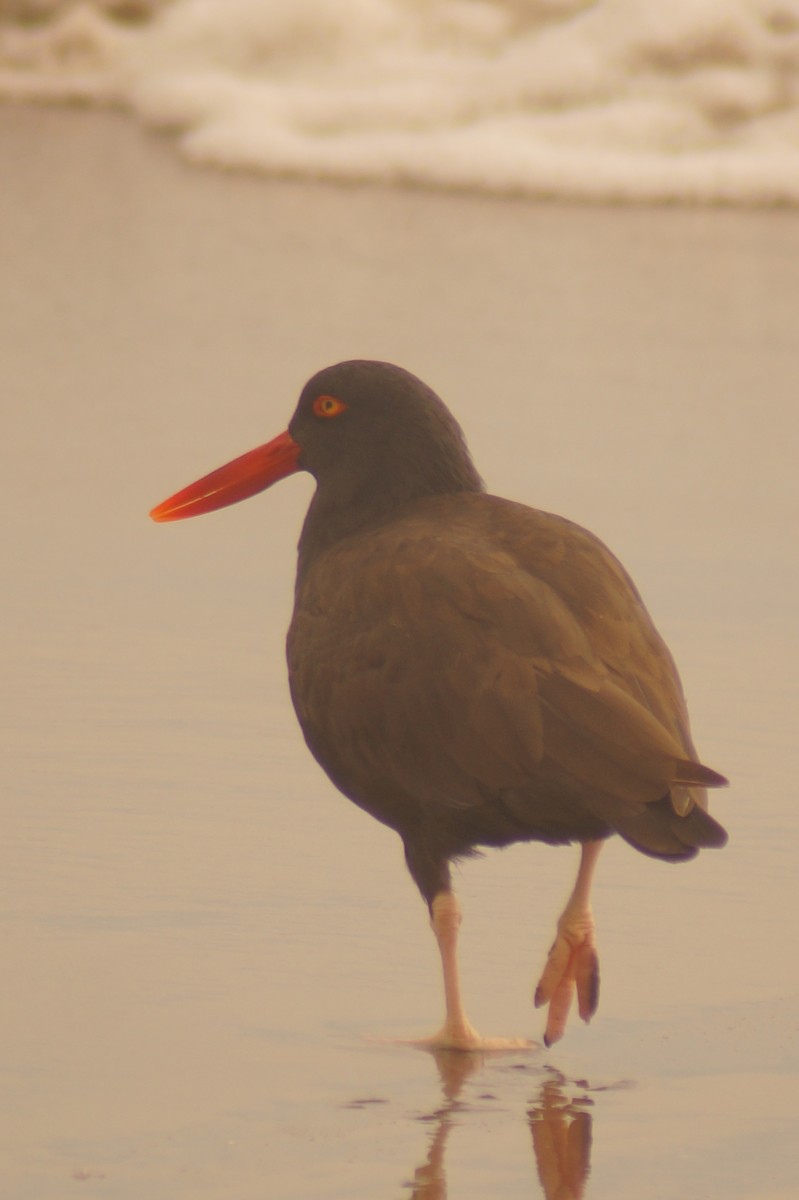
328	406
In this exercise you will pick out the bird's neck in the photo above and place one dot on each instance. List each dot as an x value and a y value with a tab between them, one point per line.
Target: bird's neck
345	507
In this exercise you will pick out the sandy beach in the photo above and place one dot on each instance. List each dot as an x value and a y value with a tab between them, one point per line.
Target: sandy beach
207	951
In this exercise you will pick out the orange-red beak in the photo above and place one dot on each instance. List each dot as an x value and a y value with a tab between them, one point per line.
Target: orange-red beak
237	480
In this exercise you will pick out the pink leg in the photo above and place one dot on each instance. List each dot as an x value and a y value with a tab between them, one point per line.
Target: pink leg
457	1033
572	963
446	919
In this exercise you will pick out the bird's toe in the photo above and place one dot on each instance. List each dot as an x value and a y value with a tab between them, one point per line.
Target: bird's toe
571	967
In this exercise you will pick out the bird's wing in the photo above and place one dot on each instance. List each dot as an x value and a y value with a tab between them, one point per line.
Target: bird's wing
451	669
600	594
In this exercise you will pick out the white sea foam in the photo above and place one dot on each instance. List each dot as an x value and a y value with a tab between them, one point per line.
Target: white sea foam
658	100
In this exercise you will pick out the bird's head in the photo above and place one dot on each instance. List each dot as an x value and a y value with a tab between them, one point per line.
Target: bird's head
371	434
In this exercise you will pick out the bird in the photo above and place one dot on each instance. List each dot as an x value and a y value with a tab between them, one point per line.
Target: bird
469	671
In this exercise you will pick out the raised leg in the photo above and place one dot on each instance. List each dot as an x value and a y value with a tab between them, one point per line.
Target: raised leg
573	964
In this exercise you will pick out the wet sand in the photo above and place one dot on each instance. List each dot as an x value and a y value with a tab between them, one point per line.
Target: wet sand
206	950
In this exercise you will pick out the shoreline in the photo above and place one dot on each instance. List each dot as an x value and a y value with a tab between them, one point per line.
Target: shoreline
201	934
613	201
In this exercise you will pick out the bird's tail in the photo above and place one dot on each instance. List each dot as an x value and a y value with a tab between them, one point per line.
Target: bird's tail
677	826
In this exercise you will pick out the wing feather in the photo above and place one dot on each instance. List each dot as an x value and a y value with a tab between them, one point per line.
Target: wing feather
495	648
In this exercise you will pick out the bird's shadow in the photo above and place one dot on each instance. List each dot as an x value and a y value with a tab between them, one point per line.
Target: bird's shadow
558	1118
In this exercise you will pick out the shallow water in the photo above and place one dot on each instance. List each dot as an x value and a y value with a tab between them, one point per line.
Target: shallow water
615	100
206	950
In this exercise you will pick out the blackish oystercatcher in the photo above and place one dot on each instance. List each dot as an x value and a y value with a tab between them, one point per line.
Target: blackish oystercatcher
470	671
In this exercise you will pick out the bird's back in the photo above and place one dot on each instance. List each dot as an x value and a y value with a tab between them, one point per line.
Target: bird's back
483	672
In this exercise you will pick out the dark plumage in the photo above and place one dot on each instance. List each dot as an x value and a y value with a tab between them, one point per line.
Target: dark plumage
470	671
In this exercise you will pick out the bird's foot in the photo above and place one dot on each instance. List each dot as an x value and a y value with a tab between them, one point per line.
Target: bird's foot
572	966
472	1045
462	1036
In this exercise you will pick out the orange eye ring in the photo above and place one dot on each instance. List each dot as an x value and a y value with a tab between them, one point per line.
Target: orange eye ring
328	406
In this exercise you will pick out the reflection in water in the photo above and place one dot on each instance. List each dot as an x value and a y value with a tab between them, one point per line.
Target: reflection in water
561	1130
454	1068
558	1120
